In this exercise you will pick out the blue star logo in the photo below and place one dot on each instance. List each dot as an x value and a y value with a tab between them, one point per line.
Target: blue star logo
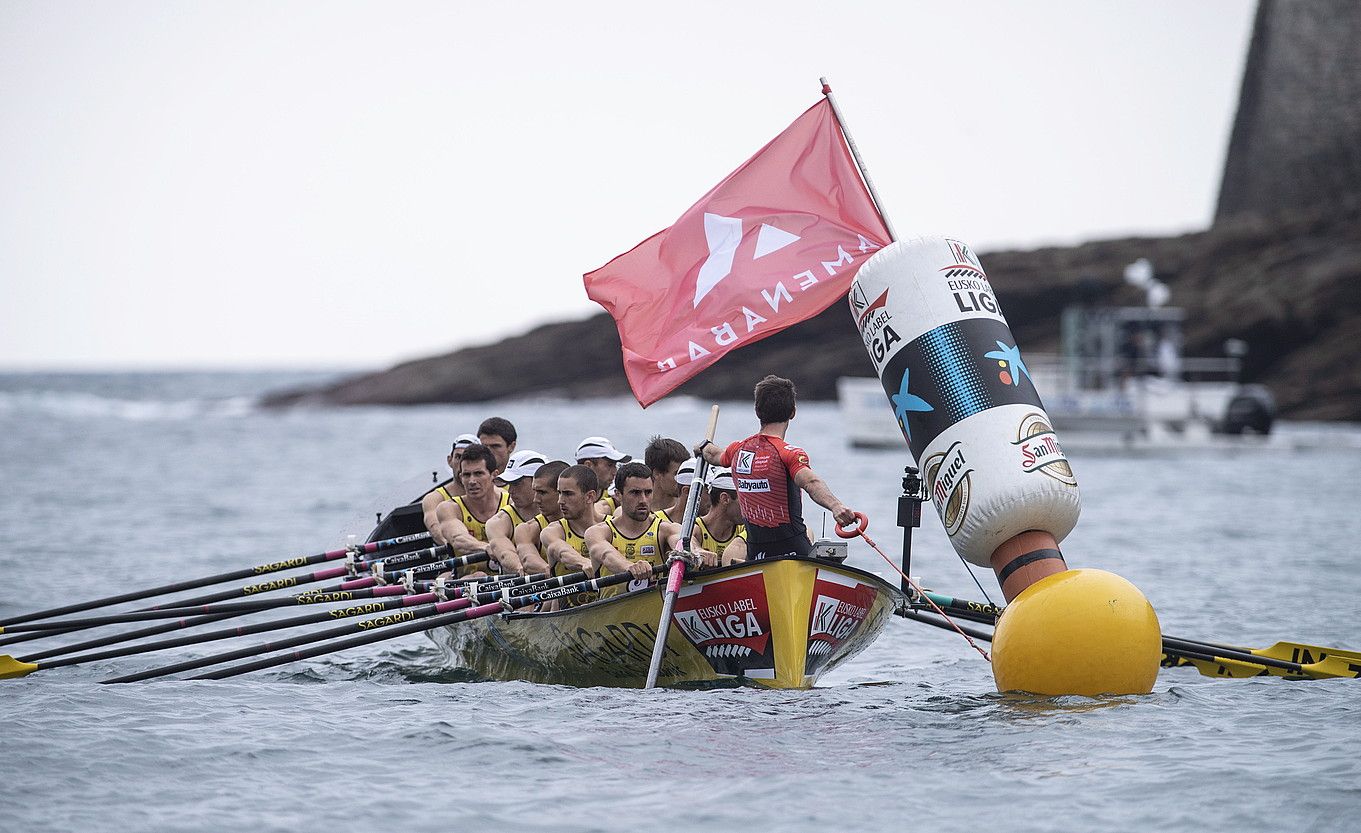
1012	366
905	403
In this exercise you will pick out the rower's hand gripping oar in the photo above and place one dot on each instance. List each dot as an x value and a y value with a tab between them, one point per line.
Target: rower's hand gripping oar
676	573
248	572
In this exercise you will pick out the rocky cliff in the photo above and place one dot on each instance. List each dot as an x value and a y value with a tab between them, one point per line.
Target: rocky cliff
1289	285
1296	141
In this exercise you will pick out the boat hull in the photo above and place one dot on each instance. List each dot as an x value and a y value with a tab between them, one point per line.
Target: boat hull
778	623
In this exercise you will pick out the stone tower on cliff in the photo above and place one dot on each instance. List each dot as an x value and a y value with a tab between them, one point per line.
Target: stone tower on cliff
1296	141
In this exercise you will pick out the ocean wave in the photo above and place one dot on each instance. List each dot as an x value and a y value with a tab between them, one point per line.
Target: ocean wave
83	405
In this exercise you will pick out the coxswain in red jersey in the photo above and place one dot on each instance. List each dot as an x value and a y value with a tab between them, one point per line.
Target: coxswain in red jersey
769	474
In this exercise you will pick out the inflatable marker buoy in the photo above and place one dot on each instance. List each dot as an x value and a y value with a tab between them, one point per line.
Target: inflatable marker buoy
970	413
967	406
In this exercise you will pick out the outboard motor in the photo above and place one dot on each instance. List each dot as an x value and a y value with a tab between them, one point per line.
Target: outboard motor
1252	410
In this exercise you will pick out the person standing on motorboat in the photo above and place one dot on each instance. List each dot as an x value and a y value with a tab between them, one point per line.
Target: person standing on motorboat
770	474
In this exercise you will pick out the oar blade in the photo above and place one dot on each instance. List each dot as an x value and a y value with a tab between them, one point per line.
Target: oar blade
11	668
1307	654
1219	668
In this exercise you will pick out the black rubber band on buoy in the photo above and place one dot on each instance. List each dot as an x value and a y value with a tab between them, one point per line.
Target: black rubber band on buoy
1020	561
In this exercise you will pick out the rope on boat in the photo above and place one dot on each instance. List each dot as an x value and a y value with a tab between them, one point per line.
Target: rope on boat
864	524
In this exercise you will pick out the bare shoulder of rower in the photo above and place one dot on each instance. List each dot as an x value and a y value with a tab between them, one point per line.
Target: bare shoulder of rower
735	552
529	532
500	525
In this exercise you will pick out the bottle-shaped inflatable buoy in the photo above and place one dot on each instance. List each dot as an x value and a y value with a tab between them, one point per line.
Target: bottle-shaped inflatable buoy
968	408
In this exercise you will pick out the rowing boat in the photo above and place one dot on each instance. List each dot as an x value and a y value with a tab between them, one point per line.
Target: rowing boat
777	623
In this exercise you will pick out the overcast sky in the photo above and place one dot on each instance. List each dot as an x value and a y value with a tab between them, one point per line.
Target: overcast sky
348	184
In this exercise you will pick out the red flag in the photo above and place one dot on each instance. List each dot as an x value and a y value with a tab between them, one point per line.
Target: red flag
775	243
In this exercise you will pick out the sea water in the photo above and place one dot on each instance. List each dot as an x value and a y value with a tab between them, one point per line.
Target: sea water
113	482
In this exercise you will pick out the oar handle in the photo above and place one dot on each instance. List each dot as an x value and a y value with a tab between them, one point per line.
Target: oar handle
713	423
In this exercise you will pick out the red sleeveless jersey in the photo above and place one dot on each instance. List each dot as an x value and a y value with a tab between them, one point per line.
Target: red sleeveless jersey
764	467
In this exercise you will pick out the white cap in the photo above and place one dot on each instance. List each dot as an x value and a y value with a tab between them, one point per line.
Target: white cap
685	475
593	447
721	479
462	441
521	464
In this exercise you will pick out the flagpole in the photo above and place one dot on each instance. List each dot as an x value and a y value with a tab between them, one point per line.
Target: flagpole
859	163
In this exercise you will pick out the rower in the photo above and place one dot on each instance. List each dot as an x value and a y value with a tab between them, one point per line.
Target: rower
498	435
564	542
720	530
685	478
769	474
446	490
518	481
600	455
664	457
462	521
638	539
533	559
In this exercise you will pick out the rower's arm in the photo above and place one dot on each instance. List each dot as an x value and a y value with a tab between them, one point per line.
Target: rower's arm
429	504
560	552
526	540
711	451
453	529
500	529
603	552
822	495
735	552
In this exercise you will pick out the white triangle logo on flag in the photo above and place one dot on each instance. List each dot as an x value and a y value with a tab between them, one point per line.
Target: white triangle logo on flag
771	239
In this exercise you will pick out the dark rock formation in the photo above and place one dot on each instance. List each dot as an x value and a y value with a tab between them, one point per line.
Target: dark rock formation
1296	141
1290	287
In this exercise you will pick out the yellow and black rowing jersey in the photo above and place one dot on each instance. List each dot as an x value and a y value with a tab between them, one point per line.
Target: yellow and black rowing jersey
576	542
477	528
714	545
665	515
647	546
444	493
515	517
611	502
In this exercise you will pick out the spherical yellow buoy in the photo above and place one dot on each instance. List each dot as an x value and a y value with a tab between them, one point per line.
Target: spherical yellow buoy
1082	632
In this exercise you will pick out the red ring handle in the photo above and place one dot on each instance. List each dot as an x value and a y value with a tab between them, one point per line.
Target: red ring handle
851	533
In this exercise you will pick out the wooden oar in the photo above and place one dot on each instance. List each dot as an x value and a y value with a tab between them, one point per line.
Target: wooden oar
58	627
204	604
416	619
677	564
189	584
27	665
323	595
251	606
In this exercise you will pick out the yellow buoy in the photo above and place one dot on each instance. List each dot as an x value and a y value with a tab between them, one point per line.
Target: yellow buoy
1081	632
